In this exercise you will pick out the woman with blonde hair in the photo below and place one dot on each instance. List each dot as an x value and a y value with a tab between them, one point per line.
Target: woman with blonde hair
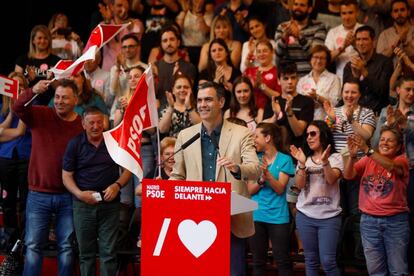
221	28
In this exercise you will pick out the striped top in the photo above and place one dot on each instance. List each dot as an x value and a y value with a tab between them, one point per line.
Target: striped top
342	129
292	50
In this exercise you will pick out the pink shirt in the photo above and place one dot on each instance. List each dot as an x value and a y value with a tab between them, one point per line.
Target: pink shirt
382	192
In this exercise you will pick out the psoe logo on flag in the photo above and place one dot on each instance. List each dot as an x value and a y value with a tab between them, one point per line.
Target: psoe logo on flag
9	87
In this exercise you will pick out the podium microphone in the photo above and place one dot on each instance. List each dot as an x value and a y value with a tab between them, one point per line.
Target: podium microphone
183	147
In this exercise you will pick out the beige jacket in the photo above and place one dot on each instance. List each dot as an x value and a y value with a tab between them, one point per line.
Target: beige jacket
236	142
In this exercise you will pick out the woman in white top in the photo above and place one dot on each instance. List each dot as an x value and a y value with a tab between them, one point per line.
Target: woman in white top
318	218
320	84
257	29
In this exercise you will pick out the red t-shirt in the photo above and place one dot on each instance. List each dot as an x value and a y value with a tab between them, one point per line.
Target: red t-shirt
50	136
382	192
269	78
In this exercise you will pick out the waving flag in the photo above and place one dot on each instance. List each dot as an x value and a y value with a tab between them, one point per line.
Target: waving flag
124	141
101	35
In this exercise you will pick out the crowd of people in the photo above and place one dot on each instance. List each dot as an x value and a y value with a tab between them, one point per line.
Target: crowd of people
316	97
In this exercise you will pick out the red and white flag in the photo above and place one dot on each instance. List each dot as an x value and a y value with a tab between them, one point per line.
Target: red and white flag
102	34
124	141
67	68
9	87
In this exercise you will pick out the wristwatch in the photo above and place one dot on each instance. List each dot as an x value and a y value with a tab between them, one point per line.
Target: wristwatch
370	152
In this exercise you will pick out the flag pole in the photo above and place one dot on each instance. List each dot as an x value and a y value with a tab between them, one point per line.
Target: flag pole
159	152
35	95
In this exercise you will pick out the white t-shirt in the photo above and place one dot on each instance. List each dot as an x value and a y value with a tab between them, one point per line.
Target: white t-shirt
335	39
318	199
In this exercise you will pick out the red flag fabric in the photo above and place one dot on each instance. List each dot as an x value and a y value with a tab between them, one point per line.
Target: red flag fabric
67	68
9	87
102	34
124	141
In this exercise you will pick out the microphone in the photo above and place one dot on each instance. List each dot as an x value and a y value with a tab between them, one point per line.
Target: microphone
183	147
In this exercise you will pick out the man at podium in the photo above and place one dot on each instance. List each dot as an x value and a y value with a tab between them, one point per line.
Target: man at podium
225	152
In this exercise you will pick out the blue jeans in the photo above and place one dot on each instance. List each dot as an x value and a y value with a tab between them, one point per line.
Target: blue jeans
40	207
320	240
385	241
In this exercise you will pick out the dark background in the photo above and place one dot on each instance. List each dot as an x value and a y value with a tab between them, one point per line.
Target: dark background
18	18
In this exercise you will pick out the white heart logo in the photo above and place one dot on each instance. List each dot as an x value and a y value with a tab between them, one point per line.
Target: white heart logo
197	238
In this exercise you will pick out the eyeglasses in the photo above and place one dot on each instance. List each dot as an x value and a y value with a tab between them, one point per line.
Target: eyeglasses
318	58
129	46
311	133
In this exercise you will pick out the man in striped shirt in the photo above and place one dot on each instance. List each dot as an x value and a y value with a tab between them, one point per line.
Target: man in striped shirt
296	37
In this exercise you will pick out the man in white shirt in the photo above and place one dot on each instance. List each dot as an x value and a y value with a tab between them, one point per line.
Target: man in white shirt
339	40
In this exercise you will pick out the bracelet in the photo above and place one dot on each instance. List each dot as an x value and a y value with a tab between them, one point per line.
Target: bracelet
301	168
118	184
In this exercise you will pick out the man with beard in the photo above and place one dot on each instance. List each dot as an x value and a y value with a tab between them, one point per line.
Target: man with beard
371	69
341	38
170	64
401	34
295	38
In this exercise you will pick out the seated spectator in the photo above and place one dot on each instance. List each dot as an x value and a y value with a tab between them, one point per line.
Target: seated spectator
320	84
221	28
272	219
181	112
385	229
242	104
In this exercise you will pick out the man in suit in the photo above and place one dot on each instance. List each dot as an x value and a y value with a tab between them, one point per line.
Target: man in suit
225	152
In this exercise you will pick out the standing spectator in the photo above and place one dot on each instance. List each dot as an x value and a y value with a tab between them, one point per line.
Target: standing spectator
264	76
119	15
319	214
35	64
236	11
385	230
89	171
66	44
371	69
401	34
257	29
170	64
220	69
99	79
295	38
15	146
340	39
181	112
271	220
51	131
195	23
221	28
320	84
242	104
